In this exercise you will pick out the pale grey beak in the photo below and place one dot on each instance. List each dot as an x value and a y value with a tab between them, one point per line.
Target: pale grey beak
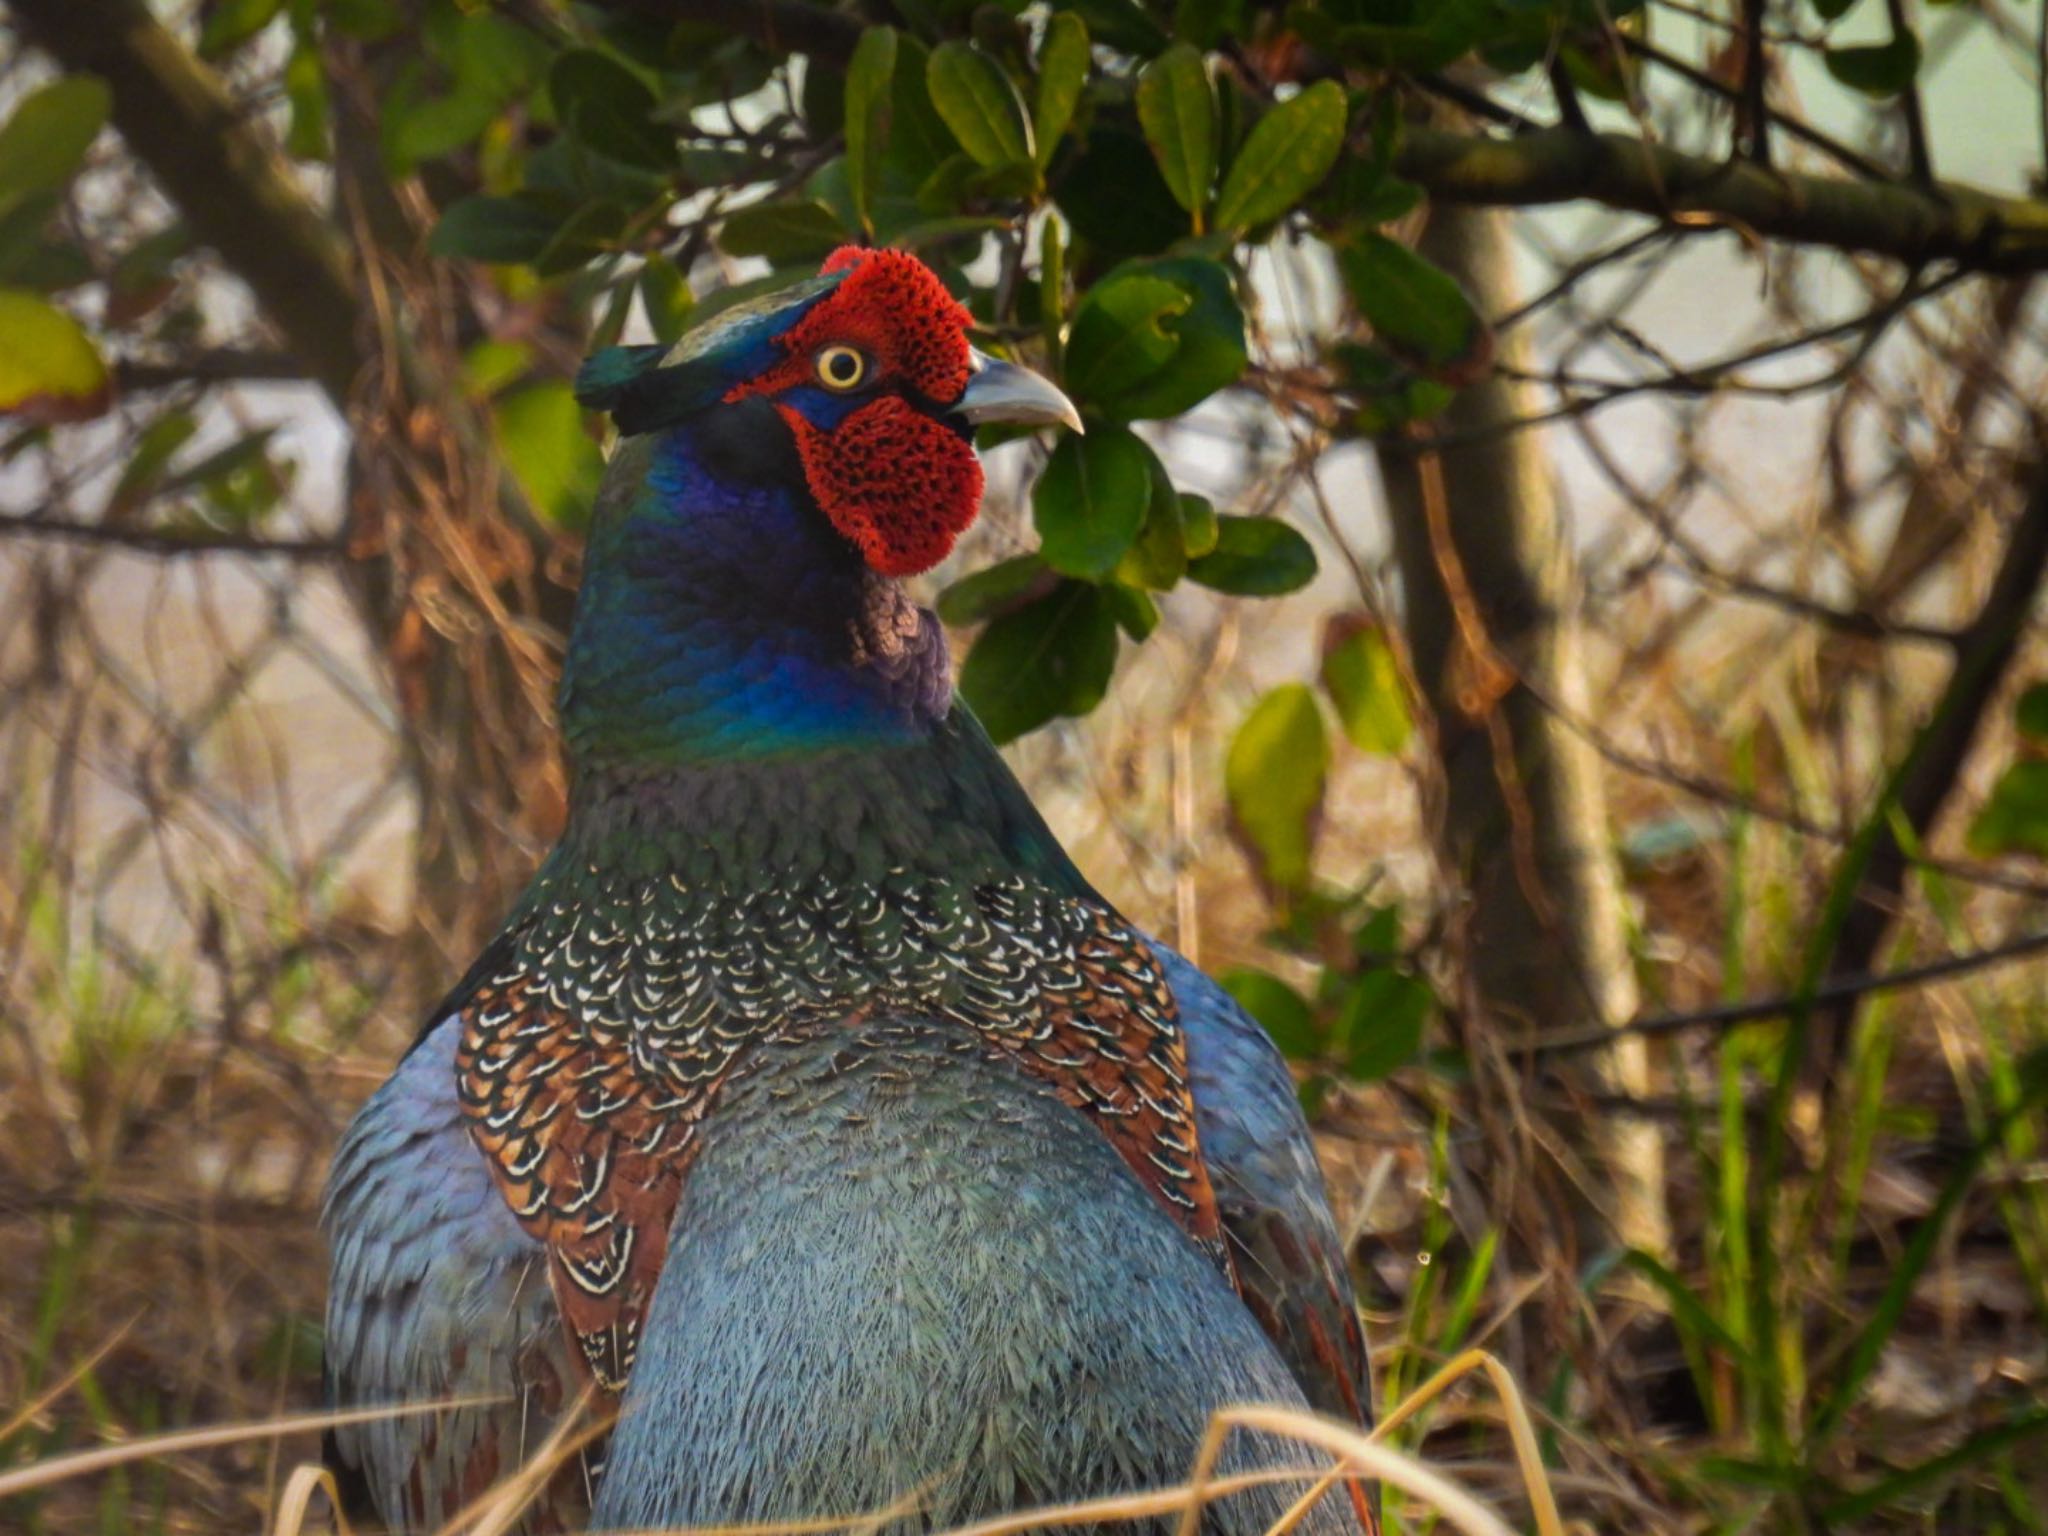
1000	391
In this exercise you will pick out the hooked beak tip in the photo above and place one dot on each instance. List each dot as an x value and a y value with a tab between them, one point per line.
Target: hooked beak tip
1000	391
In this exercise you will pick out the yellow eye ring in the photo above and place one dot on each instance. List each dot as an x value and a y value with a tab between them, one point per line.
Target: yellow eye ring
840	368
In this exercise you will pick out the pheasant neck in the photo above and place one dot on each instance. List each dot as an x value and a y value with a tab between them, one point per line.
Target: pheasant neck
723	621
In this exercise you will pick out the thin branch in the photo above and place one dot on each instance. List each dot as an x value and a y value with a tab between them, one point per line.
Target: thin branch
1843	989
1699	79
1910	106
222	365
157	541
1868	626
1756	111
1715	792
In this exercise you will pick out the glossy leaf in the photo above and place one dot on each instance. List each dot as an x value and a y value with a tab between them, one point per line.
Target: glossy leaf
1285	157
1121	335
1209	349
305	88
996	589
552	458
870	87
1381	1024
1158	557
1364	683
979	104
795	230
1417	310
50	371
1177	110
1198	526
1062	72
1122	24
1281	1011
2015	818
610	110
500	229
1255	557
1090	502
1051	657
1877	69
919	139
232	23
1136	614
665	295
1274	775
45	140
1113	195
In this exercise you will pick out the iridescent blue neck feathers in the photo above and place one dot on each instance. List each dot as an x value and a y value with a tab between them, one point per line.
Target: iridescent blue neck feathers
722	619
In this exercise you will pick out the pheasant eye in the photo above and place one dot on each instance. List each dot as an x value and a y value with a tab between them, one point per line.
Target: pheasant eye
841	368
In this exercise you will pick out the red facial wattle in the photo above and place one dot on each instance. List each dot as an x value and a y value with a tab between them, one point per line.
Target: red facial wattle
897	482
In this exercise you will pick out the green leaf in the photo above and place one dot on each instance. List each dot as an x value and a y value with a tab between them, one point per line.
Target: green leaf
1877	69
665	295
232	23
919	141
1281	1011
1000	587
1062	72
1136	614
154	449
977	101
45	140
1210	352
1199	530
870	84
1051	657
1120	336
1417	310
2015	818
783	231
1287	154
1091	500
1120	24
1159	557
1255	557
1363	681
490	365
610	110
1380	1026
50	371
1114	197
2030	714
305	87
500	229
1177	110
552	459
1274	775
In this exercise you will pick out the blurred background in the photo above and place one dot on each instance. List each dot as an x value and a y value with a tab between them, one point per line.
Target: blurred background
1568	652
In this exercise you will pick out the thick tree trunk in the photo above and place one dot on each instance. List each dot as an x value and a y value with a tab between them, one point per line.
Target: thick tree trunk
1525	815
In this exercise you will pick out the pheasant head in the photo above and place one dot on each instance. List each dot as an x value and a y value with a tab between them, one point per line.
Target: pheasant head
869	369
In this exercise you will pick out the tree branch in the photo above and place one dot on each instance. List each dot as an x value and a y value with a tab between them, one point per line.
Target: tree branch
220	171
1947	222
1843	989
